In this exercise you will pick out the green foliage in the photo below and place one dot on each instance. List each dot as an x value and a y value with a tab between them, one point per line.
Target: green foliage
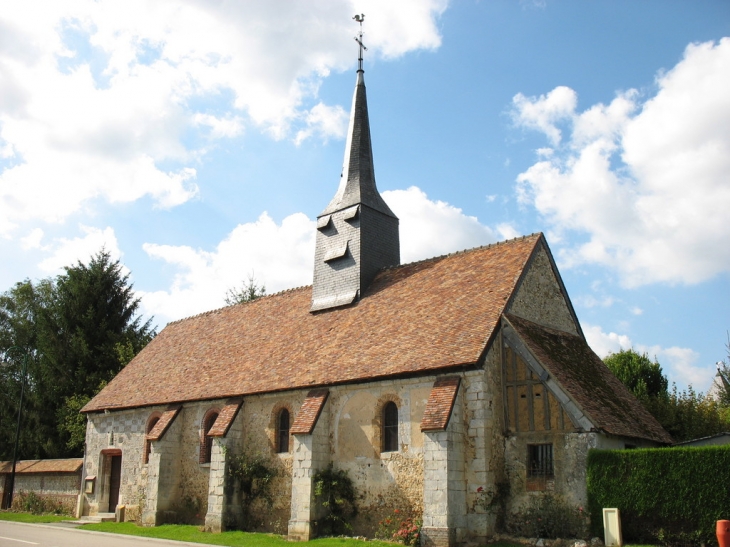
684	415
72	422
30	502
688	415
248	292
643	377
723	371
187	511
334	489
79	329
29	517
665	494
254	474
549	516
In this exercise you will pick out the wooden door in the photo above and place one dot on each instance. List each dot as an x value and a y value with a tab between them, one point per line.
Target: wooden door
115	479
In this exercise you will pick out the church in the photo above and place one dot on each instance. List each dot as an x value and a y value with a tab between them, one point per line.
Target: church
433	384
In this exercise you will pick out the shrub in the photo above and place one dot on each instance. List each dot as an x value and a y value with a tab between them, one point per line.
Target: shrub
405	529
549	516
30	502
254	475
188	511
668	495
334	489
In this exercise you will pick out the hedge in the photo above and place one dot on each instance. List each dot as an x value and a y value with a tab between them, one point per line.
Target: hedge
665	494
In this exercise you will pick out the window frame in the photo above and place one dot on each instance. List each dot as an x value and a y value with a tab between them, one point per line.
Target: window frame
283	442
389	428
147	450
206	442
540	461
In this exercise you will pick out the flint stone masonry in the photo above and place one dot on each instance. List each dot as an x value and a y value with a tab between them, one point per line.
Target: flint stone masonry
541	296
59	487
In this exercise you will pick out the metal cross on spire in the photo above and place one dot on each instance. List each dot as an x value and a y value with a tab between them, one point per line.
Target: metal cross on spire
360	18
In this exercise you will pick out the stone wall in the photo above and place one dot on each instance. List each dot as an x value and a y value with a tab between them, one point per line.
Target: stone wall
348	433
540	298
59	488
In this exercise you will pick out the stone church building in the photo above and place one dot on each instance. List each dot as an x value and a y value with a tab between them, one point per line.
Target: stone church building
431	383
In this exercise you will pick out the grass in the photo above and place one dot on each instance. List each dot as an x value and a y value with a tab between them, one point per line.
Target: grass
192	534
29	517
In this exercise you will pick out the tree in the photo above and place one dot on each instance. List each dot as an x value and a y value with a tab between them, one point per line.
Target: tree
684	415
642	376
248	292
723	372
80	328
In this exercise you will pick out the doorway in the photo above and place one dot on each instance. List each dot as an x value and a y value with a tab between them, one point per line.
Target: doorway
115	479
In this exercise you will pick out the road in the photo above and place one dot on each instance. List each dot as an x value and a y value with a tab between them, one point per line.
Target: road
14	534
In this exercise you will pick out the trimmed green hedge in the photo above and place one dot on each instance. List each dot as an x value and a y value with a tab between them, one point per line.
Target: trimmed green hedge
665	494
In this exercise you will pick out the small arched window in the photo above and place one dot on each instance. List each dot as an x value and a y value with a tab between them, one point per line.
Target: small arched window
151	423
282	431
206	442
390	427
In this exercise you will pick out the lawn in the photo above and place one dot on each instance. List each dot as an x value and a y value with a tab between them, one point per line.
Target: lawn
29	517
233	539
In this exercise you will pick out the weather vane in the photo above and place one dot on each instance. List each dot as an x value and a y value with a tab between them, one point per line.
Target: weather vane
360	18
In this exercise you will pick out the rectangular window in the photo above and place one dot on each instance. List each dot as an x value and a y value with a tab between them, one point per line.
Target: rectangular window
540	460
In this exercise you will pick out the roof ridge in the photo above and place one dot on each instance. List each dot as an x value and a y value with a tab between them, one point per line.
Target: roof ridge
387	268
463	251
214	310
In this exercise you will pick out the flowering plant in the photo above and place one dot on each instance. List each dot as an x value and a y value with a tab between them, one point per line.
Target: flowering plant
405	530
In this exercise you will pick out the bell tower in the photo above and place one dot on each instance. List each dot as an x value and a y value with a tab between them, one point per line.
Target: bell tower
357	233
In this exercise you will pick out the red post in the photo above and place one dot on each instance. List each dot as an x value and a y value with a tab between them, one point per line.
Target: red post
723	533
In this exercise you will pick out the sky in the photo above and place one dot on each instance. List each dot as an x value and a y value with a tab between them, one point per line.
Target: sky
197	142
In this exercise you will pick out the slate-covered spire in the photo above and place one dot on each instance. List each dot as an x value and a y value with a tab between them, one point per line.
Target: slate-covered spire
357	180
357	233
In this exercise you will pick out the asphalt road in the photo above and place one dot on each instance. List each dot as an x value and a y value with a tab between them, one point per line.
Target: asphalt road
15	534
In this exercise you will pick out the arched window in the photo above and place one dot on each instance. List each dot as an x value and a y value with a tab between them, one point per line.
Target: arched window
390	427
282	431
206	442
151	422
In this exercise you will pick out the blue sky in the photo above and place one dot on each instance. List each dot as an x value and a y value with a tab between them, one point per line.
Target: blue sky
197	142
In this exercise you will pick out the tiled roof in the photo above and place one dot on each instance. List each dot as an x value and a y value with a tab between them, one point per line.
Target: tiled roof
225	418
70	465
422	317
440	403
163	424
309	413
580	372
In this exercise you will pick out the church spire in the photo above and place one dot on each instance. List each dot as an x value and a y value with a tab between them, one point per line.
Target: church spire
357	179
357	233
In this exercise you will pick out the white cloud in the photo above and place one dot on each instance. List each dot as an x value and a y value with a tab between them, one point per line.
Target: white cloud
678	364
67	252
645	183
115	101
324	121
544	112
281	255
431	228
32	240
